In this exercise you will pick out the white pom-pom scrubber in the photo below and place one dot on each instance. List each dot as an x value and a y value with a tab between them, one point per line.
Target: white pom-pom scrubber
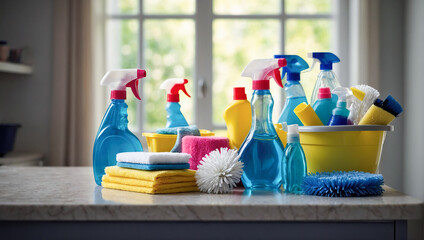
219	171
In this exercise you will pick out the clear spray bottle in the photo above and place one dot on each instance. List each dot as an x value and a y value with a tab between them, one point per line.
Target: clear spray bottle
262	151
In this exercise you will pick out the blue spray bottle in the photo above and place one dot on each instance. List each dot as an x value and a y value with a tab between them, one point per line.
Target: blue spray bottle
294	162
262	151
295	94
172	86
340	113
113	136
326	77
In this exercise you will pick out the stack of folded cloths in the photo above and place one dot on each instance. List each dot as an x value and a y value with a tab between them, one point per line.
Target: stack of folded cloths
151	173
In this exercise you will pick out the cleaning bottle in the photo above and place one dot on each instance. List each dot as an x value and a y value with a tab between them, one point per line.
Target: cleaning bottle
113	136
294	161
238	118
340	113
293	89
172	86
324	106
262	151
326	77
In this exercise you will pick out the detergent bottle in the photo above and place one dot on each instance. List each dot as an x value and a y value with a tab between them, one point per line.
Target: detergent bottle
326	77
113	136
324	105
294	161
238	118
262	151
340	113
174	117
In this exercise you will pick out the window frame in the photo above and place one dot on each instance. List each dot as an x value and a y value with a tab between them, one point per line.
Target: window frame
203	18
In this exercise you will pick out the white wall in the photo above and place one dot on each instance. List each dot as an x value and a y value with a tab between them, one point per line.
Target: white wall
414	92
25	99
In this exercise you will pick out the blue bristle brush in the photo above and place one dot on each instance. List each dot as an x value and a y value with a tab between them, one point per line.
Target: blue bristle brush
392	106
343	184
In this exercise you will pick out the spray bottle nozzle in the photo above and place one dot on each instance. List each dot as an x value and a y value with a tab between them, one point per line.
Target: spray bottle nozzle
325	58
294	66
173	86
262	70
120	79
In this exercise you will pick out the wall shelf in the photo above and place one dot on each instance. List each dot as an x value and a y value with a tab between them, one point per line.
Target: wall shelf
15	68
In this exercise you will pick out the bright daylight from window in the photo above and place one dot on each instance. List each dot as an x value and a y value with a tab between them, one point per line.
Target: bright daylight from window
160	36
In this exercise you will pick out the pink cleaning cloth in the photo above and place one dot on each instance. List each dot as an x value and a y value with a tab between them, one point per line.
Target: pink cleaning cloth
198	147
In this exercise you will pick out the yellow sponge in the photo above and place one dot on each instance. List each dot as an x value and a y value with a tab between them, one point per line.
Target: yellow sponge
307	115
376	116
358	93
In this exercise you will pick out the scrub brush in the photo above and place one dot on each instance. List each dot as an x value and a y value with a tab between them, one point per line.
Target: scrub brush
382	112
371	95
343	184
219	172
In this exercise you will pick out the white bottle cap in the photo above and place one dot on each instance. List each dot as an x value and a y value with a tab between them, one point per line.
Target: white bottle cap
293	130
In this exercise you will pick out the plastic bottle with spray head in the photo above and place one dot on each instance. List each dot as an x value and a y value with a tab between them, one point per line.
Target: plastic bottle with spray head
262	151
293	89
174	117
113	136
326	77
341	112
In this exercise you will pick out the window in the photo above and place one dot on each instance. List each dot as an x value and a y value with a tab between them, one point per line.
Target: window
209	42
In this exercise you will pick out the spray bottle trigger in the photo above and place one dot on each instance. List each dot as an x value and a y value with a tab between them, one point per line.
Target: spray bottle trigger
178	87
134	87
314	61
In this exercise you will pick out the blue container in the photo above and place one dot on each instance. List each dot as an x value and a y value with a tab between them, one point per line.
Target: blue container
7	137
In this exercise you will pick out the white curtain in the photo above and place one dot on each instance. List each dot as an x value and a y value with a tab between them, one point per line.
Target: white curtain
77	64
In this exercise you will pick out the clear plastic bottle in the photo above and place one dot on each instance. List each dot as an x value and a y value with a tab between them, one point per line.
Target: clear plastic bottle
262	151
326	77
294	162
113	136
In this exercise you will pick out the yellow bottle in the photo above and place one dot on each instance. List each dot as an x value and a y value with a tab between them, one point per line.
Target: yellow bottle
238	117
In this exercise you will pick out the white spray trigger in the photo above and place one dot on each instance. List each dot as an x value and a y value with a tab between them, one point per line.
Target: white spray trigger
314	61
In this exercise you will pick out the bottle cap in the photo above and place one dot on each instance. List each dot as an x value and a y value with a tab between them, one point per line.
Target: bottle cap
239	93
293	130
324	93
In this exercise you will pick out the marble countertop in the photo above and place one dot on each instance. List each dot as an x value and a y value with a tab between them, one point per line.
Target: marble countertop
69	193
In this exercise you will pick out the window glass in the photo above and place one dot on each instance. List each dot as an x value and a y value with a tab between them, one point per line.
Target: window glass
168	53
240	7
307	6
304	36
122	52
122	6
235	43
169	6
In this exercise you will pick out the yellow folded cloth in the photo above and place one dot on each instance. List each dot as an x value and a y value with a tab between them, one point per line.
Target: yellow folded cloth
147	189
146	184
161	176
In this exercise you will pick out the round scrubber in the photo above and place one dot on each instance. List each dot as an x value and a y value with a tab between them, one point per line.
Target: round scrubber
343	184
198	147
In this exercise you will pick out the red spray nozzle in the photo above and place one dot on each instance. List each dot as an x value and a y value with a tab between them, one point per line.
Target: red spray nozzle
173	86
120	79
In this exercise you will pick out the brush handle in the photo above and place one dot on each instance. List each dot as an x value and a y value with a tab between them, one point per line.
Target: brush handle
376	116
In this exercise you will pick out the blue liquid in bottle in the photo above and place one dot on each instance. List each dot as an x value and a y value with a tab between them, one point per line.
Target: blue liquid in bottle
294	96
175	118
295	165
262	151
113	137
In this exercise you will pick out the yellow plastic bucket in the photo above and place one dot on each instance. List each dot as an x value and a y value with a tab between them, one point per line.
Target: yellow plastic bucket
165	142
341	148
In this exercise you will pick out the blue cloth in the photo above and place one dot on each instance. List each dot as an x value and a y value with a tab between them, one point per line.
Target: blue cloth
174	130
153	166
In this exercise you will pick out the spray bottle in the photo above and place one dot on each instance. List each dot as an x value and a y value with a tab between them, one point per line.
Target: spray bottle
293	89
113	136
324	105
238	118
340	113
326	77
294	161
262	151
172	86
